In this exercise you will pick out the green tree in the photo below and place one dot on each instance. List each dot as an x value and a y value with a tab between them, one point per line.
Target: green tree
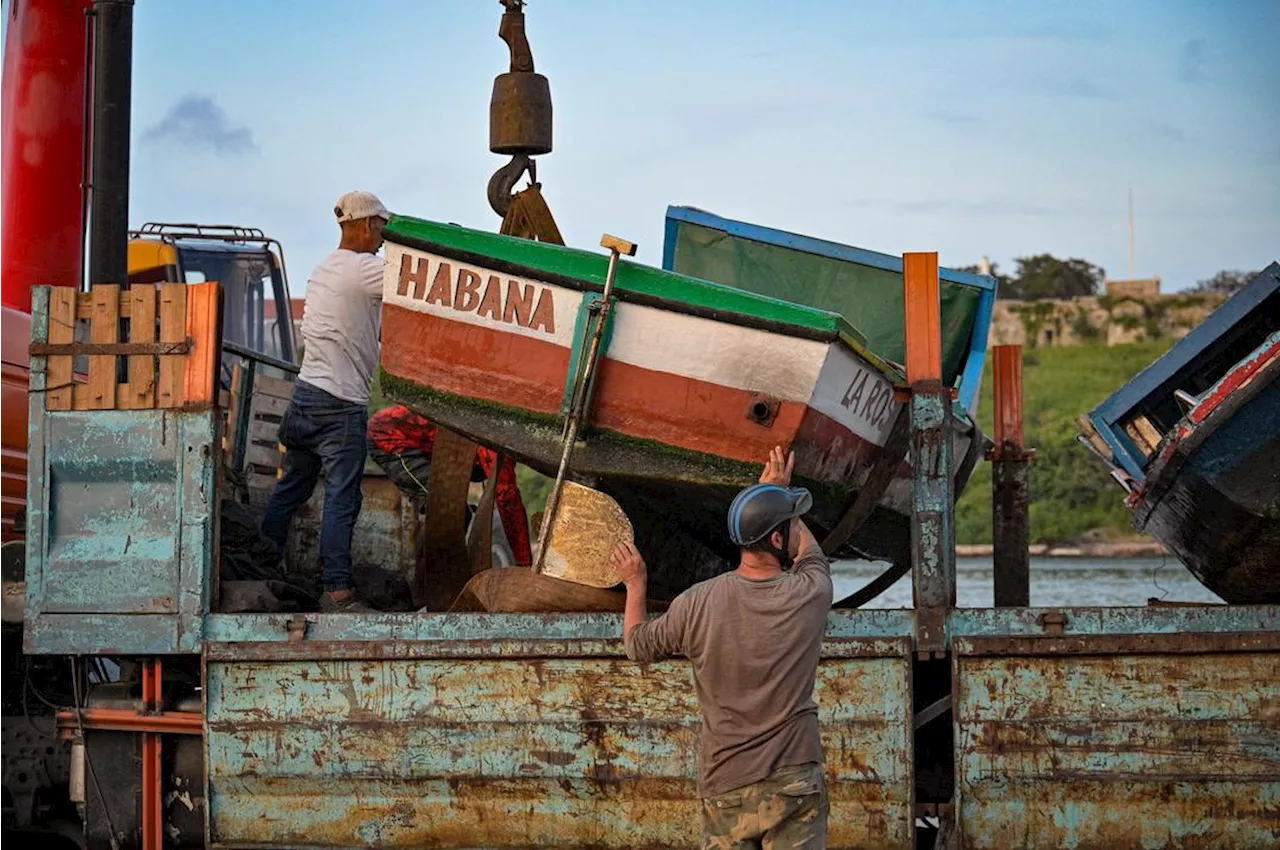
1225	282
1046	276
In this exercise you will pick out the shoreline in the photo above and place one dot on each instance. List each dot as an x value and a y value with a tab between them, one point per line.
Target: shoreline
1127	549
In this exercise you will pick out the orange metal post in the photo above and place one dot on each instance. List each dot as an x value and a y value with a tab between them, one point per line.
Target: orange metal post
923	317
1007	364
152	815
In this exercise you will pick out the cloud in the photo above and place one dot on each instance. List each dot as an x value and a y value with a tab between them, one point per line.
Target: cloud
197	123
1191	59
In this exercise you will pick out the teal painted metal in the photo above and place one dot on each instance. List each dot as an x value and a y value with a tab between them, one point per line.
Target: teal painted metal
1030	622
933	549
235	629
502	743
121	524
1110	740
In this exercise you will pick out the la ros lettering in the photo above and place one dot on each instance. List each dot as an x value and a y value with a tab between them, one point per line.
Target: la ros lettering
868	398
467	291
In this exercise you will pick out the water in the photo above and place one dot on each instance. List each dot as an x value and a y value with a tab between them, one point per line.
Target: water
1054	582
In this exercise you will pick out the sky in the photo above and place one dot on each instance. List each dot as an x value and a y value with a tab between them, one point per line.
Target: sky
1002	129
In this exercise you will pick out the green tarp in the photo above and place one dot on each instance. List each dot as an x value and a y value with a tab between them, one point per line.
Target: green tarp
868	297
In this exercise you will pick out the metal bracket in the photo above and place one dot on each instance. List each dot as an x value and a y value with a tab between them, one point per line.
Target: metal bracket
296	627
931	630
1053	623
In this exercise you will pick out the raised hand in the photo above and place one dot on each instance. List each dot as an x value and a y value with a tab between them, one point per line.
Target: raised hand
629	565
777	469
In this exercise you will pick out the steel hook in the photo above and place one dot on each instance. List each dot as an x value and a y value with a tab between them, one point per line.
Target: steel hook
504	181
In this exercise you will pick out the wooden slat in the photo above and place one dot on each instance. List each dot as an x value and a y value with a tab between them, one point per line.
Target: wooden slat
84	304
264	432
235	408
263	456
274	387
140	392
104	326
1142	432
173	328
259	481
200	376
268	405
62	329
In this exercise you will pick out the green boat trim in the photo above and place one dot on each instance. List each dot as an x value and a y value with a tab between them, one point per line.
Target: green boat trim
635	283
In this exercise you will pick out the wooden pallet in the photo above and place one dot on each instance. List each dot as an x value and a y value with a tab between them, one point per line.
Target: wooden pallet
147	346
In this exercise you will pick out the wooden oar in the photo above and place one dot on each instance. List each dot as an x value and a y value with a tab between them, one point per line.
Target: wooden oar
581	393
588	526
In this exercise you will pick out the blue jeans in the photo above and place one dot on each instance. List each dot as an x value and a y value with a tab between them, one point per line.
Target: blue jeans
322	435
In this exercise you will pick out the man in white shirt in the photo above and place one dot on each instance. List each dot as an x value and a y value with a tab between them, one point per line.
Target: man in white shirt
323	428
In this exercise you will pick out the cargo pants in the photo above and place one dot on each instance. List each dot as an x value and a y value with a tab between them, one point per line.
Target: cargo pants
787	811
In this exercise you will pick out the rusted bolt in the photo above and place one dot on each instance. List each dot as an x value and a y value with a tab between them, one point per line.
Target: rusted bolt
296	627
762	410
1053	622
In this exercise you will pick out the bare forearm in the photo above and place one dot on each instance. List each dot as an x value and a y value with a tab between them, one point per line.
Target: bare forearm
808	543
637	610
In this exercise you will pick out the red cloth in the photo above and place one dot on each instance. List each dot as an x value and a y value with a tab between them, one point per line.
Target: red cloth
397	430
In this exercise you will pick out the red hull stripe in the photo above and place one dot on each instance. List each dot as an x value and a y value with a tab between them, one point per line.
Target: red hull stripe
520	371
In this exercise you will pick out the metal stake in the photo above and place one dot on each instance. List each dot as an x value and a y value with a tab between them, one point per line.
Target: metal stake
1010	484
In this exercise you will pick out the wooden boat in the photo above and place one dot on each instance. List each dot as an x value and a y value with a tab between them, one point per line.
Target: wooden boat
697	382
1195	439
865	287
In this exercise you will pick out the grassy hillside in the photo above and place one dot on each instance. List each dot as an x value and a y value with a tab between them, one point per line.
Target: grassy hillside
1072	496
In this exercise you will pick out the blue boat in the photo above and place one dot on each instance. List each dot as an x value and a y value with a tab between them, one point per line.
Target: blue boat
1195	440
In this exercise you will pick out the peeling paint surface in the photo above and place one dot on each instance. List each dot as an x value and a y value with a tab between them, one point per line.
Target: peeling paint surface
120	548
581	750
1109	742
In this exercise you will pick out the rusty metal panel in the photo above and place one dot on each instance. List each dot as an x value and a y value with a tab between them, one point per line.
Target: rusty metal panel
1122	740
571	745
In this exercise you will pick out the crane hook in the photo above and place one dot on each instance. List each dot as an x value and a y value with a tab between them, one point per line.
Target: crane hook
504	181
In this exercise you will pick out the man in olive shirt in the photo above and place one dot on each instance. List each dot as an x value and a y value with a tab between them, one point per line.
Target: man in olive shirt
753	636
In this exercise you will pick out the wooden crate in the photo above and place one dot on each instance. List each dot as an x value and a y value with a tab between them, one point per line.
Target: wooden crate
147	346
258	403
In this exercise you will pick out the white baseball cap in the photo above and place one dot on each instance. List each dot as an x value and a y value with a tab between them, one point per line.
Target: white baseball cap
357	205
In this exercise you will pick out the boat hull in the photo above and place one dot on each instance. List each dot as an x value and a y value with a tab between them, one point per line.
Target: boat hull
1213	494
687	401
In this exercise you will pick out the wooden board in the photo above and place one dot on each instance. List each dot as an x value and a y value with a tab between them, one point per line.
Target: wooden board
445	567
588	526
140	392
104	327
62	330
173	328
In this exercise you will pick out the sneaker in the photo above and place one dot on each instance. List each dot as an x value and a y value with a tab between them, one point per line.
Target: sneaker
352	604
